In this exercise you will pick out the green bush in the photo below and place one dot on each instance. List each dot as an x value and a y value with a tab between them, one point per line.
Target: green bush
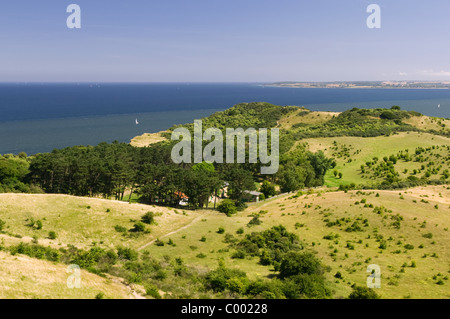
267	189
239	254
120	229
221	230
148	218
100	295
127	253
152	291
227	206
254	221
138	227
2	224
52	235
294	263
363	293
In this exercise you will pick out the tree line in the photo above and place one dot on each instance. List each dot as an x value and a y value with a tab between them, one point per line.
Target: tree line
109	170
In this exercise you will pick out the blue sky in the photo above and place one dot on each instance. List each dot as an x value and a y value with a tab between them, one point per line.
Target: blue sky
223	41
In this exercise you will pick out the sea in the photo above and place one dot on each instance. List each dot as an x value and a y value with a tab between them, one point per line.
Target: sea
40	117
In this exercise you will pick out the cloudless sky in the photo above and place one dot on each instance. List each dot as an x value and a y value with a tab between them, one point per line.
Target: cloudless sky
223	41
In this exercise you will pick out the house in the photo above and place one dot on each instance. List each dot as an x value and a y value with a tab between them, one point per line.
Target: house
184	200
252	196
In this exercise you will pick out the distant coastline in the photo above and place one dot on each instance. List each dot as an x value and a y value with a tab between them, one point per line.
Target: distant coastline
364	85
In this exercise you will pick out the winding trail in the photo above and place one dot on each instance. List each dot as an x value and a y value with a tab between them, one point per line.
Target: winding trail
196	219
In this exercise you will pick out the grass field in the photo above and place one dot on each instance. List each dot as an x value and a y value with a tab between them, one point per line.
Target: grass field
415	282
28	278
417	271
361	150
80	221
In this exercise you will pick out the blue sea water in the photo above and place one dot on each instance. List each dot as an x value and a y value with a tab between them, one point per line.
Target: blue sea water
40	117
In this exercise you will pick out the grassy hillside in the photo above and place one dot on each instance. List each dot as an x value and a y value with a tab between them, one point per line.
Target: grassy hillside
406	233
349	252
22	277
352	152
82	221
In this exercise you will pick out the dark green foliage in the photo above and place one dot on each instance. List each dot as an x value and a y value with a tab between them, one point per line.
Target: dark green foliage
227	206
152	291
36	251
295	263
52	235
2	224
159	242
363	293
127	253
138	227
270	245
148	218
13	174
268	189
120	229
100	295
221	230
222	278
306	286
254	221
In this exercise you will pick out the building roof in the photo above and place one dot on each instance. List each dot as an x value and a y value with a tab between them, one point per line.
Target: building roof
254	193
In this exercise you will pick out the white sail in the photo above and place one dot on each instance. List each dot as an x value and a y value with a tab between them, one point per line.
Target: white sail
137	122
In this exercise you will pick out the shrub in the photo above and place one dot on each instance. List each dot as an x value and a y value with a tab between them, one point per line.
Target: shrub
203	239
254	221
408	246
2	224
239	254
221	230
127	253
201	255
267	189
159	242
120	229
52	235
363	293
427	235
148	218
152	291
240	231
294	263
138	227
227	206
100	295
39	224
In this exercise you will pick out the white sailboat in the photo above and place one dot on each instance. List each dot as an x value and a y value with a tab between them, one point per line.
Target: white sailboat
439	105
137	122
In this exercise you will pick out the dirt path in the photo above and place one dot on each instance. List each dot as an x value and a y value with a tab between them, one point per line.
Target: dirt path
196	219
135	293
